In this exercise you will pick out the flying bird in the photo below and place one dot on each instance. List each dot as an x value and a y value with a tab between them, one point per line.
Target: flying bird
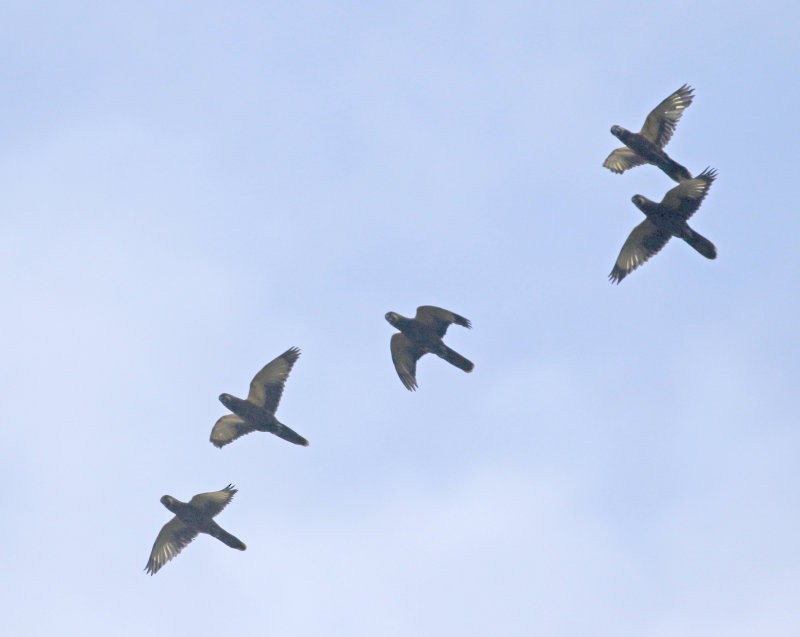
191	518
423	335
664	220
647	146
257	413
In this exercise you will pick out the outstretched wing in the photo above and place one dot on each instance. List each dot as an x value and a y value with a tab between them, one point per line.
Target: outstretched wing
439	318
174	535
644	241
686	197
266	387
622	159
229	428
213	502
405	355
661	122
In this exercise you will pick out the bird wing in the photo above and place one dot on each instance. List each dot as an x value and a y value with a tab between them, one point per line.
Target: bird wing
622	159
266	387
661	122
213	502
174	535
439	318
405	355
229	428
686	197
643	242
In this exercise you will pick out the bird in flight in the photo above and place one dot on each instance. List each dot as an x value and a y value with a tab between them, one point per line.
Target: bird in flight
257	413
647	146
191	518
423	335
665	220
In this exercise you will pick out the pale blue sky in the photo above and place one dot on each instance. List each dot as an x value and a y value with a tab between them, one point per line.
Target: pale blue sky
190	189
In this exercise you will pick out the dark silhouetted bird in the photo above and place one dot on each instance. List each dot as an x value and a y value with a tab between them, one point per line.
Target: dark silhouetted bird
257	413
422	335
664	220
647	146
191	518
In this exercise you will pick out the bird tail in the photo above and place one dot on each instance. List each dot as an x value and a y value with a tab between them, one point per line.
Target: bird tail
676	171
701	244
223	536
454	358
282	431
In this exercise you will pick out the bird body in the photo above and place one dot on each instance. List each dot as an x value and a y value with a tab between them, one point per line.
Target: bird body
423	335
261	419
647	146
665	220
191	518
662	217
414	329
651	153
257	413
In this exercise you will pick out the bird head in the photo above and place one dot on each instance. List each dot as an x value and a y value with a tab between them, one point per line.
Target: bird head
616	131
169	502
226	399
392	317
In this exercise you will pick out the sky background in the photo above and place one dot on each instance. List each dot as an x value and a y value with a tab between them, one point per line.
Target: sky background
190	188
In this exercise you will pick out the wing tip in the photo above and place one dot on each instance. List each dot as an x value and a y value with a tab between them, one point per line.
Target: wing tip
218	441
708	173
231	488
616	275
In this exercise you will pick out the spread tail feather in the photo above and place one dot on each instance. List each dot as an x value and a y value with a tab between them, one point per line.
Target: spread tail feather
282	431
454	358
223	536
676	171
702	245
